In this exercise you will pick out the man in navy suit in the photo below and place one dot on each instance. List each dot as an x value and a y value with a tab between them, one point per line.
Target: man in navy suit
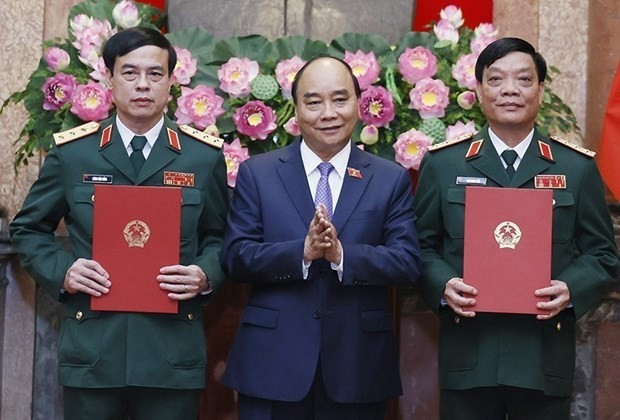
316	339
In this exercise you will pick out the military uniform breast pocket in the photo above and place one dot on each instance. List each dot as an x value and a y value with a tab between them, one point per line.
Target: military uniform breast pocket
454	215
82	208
563	215
191	208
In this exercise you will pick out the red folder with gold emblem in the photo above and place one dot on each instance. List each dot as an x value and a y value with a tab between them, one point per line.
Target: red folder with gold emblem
136	231
507	249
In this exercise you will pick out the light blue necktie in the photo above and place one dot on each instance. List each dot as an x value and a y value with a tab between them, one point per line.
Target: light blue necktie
323	192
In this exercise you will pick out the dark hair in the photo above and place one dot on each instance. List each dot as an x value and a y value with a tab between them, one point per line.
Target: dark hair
356	85
131	39
504	46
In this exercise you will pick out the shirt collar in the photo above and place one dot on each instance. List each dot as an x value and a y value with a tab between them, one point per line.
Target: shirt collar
339	160
520	148
127	135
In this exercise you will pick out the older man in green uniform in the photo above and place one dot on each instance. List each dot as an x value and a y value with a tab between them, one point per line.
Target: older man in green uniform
117	365
508	366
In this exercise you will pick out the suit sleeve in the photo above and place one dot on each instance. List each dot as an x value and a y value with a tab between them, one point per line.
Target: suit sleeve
428	208
32	230
396	260
595	270
246	256
212	223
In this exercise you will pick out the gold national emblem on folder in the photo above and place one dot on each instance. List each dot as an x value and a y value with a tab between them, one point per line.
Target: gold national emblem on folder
507	235
136	233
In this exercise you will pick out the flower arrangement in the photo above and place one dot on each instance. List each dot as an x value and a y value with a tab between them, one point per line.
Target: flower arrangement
415	93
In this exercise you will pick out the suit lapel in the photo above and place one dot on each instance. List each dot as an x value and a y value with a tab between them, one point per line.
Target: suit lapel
114	152
161	154
488	161
353	187
533	162
293	176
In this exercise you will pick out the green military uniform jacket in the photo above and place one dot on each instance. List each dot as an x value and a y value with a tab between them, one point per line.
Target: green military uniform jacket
116	349
509	349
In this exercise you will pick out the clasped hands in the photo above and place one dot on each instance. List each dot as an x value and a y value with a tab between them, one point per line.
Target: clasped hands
459	296
322	239
182	282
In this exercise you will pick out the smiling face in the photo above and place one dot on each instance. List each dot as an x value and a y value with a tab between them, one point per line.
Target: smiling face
326	107
141	85
510	95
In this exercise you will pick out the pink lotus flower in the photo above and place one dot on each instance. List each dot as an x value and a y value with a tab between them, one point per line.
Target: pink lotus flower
445	31
365	67
369	135
376	106
255	119
416	64
466	100
58	90
199	106
464	71
56	58
458	129
292	127
90	35
485	29
91	102
410	147
101	73
452	14
286	70
479	43
236	75
234	154
212	130
430	98
186	67
126	14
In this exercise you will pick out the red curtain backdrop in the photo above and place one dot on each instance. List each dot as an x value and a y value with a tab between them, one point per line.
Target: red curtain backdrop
609	149
160	4
474	12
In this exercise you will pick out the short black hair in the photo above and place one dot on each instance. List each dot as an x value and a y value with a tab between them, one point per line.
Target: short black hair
131	39
356	84
504	46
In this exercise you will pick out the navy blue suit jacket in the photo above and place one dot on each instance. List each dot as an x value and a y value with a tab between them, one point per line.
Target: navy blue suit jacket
290	321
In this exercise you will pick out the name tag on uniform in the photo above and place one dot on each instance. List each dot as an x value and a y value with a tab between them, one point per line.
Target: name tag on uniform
97	179
470	180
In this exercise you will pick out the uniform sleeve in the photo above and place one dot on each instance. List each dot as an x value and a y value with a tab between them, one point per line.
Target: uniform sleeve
428	209
212	223
32	230
594	271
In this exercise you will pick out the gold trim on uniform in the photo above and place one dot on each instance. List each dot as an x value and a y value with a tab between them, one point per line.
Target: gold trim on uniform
202	136
575	147
75	133
447	143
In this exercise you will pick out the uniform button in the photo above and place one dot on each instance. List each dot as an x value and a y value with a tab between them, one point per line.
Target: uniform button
190	316
558	326
317	315
79	315
457	319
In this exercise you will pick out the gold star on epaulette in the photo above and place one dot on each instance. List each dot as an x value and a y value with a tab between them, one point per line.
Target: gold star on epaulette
67	136
447	143
202	136
575	147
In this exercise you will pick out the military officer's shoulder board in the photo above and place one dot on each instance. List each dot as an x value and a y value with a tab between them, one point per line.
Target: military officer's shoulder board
450	142
76	133
573	146
202	136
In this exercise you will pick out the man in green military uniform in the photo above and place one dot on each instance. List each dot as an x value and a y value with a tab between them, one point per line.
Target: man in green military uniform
115	365
508	366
